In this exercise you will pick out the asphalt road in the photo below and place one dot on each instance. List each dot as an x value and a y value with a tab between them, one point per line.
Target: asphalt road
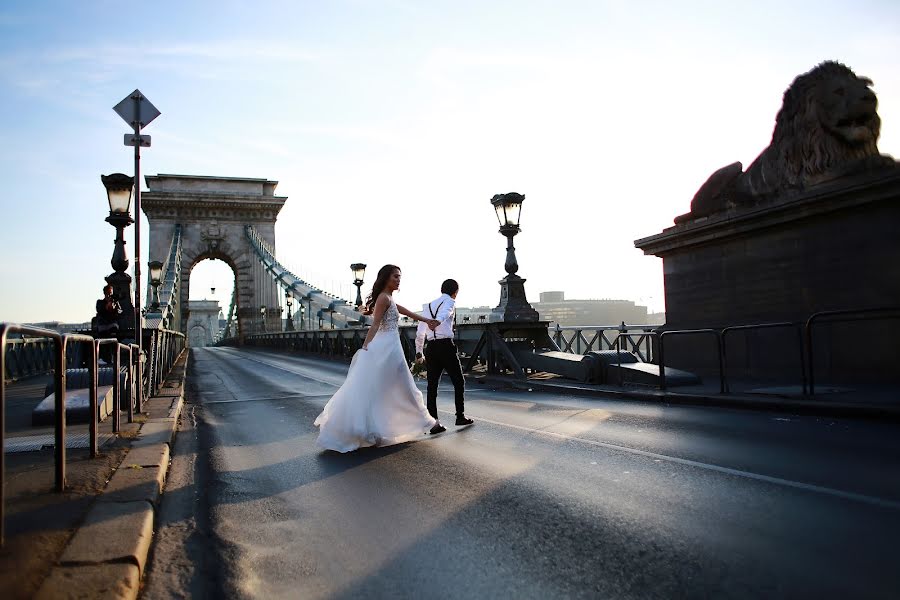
545	496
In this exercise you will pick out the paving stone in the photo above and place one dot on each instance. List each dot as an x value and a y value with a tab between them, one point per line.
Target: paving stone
155	432
116	580
112	532
156	455
129	484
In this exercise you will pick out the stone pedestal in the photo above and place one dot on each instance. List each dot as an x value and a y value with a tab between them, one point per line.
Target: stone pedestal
835	247
514	306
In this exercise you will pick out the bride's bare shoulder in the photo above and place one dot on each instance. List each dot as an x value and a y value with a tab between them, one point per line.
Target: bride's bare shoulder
383	299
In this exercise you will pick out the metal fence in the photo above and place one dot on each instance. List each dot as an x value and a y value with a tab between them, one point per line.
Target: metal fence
164	348
30	356
584	339
339	344
645	341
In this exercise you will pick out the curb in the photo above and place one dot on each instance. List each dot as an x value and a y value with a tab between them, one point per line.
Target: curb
743	402
107	555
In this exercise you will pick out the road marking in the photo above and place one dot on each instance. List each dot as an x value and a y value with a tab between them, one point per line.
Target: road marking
873	500
882	502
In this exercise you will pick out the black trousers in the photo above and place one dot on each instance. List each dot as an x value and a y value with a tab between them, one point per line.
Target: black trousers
440	356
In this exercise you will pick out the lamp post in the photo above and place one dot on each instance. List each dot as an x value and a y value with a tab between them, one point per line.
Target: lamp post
513	305
359	272
155	280
330	310
262	317
309	312
289	300
118	194
302	316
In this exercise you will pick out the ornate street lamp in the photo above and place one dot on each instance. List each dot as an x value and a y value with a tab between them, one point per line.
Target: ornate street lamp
262	317
289	300
302	316
155	280
359	273
513	305
118	194
330	310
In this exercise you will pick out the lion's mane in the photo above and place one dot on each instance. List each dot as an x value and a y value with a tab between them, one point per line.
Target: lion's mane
828	126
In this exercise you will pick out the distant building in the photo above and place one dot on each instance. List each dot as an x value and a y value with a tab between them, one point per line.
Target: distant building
63	327
203	322
554	307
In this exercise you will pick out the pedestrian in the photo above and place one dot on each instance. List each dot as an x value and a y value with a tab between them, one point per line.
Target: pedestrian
108	311
378	404
440	353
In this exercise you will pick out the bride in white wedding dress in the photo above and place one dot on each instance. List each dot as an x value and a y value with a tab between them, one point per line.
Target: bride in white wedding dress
379	403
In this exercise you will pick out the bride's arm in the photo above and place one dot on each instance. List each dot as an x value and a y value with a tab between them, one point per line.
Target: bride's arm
416	316
381	304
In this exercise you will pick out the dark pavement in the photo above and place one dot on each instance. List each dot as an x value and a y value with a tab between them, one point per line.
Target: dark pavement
92	540
547	495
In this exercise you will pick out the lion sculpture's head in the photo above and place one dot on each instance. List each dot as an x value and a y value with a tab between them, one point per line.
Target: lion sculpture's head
828	118
828	126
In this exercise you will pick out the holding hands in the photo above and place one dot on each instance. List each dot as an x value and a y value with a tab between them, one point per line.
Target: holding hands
432	323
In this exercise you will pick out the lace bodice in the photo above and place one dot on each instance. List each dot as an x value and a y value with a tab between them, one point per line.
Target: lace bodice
390	321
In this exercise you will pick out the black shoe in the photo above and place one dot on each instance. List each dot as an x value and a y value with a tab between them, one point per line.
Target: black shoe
463	420
438	428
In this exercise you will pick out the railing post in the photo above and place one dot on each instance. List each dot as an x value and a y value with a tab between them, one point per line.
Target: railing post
802	359
662	361
720	353
60	416
131	384
2	431
117	391
95	417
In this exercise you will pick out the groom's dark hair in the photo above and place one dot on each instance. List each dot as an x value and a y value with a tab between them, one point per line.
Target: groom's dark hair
449	287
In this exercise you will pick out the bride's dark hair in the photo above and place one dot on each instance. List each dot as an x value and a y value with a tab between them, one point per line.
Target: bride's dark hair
381	279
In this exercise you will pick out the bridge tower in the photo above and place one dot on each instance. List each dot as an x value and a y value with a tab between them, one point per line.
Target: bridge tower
211	214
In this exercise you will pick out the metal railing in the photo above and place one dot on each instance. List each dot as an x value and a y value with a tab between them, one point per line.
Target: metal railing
662	354
165	348
342	343
584	339
834	316
725	385
641	337
339	344
60	344
30	356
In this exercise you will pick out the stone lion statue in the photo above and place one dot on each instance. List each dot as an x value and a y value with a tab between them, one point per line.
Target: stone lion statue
827	127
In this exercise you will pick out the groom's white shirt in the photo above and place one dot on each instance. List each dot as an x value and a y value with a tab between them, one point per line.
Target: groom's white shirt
442	308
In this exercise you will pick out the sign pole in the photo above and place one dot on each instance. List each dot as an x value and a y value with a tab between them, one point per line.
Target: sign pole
137	111
138	324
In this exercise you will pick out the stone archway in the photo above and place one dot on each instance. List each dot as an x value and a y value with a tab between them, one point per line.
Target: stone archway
213	213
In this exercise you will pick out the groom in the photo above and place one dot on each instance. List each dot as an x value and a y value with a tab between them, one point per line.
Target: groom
440	353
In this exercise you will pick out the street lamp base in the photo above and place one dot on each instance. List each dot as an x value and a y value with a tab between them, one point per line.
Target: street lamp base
514	306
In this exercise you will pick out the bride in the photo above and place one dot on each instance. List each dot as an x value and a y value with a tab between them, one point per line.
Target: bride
378	404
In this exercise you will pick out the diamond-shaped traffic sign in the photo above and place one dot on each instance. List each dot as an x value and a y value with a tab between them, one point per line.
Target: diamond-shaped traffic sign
136	110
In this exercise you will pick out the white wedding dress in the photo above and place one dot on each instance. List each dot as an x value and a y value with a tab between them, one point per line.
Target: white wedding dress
379	403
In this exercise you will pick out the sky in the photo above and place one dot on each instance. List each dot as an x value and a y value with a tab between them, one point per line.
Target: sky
389	125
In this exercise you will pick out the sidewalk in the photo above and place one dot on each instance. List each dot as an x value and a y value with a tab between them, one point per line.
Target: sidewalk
92	540
875	402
